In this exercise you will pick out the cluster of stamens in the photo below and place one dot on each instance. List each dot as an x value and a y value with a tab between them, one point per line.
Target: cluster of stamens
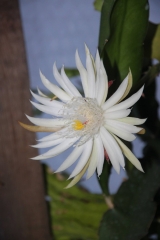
83	118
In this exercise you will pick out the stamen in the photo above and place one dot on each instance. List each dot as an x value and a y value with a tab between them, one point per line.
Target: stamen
78	125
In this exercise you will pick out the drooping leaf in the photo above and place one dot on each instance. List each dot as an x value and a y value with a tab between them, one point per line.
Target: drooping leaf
105	23
124	49
98	4
134	207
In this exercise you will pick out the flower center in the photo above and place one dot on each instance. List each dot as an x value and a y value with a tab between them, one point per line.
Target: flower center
84	117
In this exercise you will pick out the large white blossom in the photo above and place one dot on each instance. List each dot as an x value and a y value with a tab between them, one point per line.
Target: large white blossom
90	124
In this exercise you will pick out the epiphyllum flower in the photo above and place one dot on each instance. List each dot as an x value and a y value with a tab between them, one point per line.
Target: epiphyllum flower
90	124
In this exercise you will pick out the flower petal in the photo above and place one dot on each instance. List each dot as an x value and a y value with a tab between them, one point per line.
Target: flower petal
130	81
83	159
83	73
132	120
67	143
123	126
78	176
93	160
55	89
71	158
100	150
120	133
117	95
47	122
69	84
53	136
90	75
60	80
112	149
47	101
101	85
118	114
126	151
48	143
128	102
46	109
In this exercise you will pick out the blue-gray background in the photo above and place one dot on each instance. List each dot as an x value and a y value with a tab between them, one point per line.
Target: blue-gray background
53	30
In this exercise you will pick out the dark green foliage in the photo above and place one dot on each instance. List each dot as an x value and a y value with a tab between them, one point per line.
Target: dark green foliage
134	206
124	49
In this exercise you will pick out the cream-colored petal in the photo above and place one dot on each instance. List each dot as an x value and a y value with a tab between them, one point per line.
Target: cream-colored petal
132	120
100	150
117	114
78	177
127	152
48	143
130	82
47	109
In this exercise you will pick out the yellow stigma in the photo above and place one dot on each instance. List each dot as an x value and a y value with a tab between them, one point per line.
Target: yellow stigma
78	125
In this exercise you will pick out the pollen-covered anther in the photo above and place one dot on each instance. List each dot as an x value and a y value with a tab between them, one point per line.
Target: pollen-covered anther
78	125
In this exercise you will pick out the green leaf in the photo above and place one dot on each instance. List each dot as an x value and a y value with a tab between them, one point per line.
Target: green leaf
134	207
124	49
71	72
98	4
105	23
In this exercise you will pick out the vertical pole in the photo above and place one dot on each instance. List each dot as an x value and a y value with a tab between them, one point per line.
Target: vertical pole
23	211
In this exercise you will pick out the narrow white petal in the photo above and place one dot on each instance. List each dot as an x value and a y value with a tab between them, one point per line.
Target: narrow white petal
118	114
69	84
71	158
47	101
100	150
41	94
48	143
93	161
55	89
46	109
67	143
113	151
123	126
47	122
126	151
117	95
83	159
83	73
120	133
90	75
53	136
78	177
132	120
60	80
101	85
128	102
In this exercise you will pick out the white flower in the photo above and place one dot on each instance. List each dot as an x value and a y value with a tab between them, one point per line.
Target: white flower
88	124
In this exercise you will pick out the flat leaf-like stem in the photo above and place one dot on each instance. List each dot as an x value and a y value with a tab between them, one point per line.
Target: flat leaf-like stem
134	206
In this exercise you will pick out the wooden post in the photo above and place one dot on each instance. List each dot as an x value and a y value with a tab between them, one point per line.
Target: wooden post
23	210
